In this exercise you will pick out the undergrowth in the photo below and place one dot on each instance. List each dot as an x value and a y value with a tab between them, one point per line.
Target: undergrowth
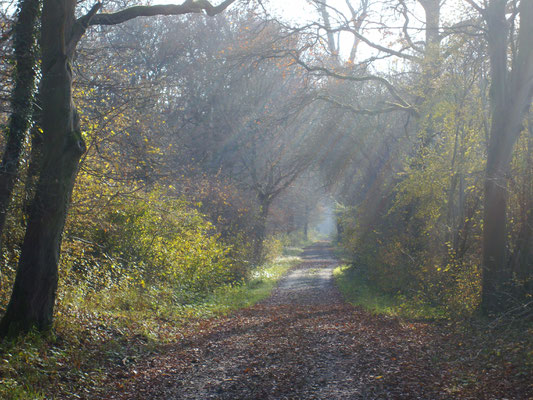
93	333
470	346
357	290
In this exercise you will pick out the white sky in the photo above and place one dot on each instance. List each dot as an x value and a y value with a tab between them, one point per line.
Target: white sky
301	11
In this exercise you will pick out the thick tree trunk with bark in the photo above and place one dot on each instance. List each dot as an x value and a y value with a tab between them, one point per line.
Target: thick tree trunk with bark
34	167
432	14
33	297
495	272
511	94
21	101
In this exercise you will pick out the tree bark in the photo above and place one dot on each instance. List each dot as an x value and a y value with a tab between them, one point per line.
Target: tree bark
511	94
34	166
32	300
21	101
432	13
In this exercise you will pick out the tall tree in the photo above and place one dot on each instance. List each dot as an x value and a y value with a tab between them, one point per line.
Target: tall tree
510	94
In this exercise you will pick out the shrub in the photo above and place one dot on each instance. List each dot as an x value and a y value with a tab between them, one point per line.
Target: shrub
150	239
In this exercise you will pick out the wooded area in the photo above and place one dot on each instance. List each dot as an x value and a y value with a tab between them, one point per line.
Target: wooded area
170	151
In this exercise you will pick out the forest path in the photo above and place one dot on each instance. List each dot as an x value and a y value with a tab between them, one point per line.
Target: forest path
303	342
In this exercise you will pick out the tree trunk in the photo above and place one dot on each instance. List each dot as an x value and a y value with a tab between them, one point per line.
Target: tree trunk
432	14
21	101
306	222
495	272
32	300
522	257
332	47
261	230
510	99
32	174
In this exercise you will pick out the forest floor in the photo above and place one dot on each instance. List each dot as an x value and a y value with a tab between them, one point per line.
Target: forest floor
305	342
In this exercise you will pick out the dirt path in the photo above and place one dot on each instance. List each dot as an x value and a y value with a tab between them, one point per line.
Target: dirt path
311	283
302	343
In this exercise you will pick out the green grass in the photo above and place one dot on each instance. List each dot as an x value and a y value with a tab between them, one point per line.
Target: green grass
260	286
358	291
93	333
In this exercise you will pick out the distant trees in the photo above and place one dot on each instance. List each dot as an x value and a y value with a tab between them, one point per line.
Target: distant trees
269	136
224	116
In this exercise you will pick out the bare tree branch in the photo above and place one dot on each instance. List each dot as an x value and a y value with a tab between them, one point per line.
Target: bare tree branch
189	7
79	28
390	87
357	20
476	6
346	27
358	111
405	14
